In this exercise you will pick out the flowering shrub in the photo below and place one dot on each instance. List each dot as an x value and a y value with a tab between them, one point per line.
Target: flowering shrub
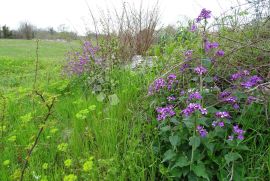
90	71
198	133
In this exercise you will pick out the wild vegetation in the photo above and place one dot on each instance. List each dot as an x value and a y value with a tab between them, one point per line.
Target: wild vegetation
75	110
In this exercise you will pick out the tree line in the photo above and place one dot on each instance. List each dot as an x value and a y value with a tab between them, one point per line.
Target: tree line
28	31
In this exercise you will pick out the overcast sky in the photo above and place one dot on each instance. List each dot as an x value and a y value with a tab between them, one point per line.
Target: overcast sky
75	14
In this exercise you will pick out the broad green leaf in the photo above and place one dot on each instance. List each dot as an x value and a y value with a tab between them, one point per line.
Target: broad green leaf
194	141
182	161
114	100
174	140
200	171
169	155
230	157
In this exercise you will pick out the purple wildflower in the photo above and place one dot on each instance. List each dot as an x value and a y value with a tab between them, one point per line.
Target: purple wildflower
164	112
222	115
224	94
236	106
200	70
182	92
193	28
240	137
156	86
205	14
195	95
239	74
221	124
208	45
216	123
192	107
201	131
220	53
251	99
171	79
230	137
184	67
171	98
252	81
230	100
188	53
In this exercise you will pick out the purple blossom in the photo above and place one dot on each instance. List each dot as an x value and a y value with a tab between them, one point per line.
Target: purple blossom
192	107
216	123
251	99
236	76
171	98
236	106
220	53
193	28
231	100
200	70
252	81
239	74
221	124
240	137
188	53
184	67
164	112
230	137
224	94
171	79
201	131
156	86
182	92
208	45
205	14
215	78
223	115
239	132
195	95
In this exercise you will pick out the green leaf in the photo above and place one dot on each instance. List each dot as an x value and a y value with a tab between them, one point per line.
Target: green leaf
169	155
182	161
200	171
100	97
114	100
194	141
206	62
92	108
230	157
174	140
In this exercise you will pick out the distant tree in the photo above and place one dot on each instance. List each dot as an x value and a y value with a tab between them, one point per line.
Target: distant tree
6	32
27	30
51	31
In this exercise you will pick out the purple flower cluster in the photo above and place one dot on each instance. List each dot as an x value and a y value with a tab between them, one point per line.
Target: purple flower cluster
220	53
192	107
164	112
251	99
239	132
252	81
208	45
205	14
239	74
200	129
78	63
188	53
171	79
223	115
218	123
228	98
193	28
200	70
171	98
195	95
156	86
184	67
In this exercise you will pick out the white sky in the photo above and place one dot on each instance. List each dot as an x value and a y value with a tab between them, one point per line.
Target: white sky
74	13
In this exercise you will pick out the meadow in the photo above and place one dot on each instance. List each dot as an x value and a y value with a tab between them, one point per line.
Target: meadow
111	135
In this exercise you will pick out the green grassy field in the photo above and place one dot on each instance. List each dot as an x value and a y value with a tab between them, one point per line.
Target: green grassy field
105	145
